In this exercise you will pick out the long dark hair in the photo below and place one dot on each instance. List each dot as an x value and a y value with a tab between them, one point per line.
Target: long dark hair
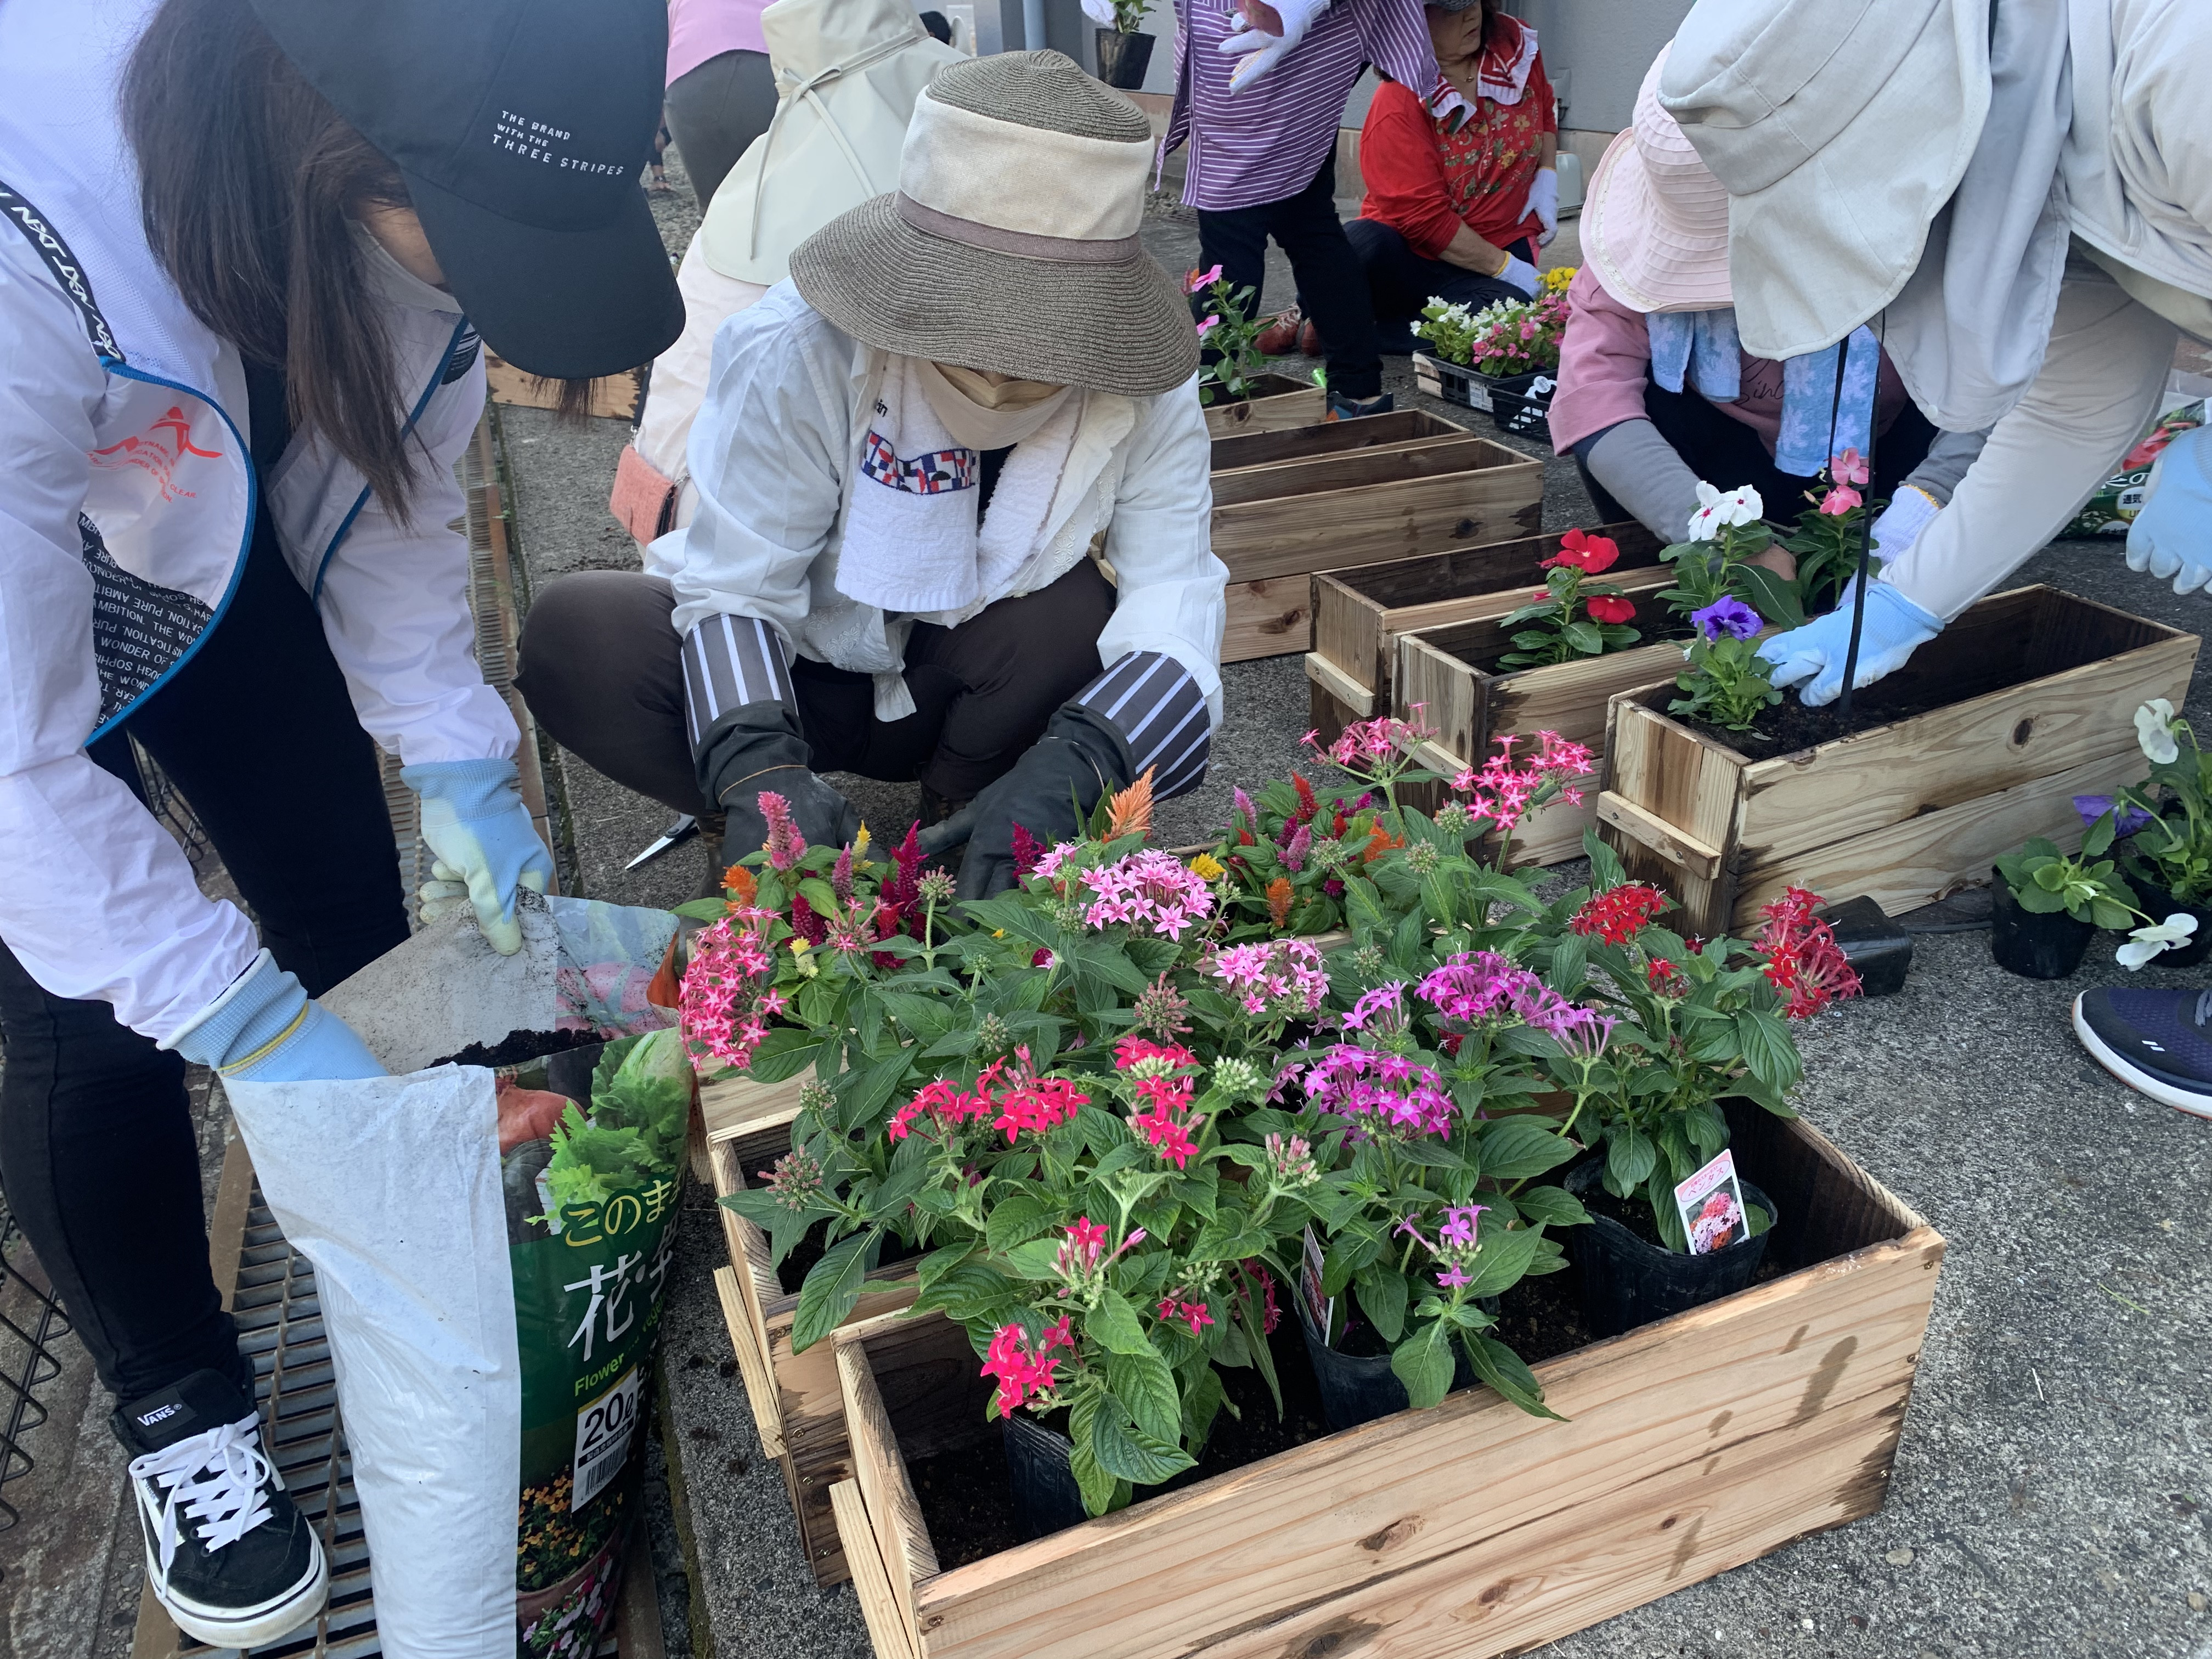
248	180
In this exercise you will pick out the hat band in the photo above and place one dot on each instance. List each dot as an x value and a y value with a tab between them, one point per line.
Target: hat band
1064	249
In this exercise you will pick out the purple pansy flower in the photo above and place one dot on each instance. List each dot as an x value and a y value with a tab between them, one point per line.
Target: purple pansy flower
1729	615
2093	807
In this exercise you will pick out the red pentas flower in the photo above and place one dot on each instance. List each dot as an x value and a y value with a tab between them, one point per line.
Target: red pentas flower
1586	553
946	1106
1619	914
1609	608
1664	977
1803	961
1194	1314
1167	1122
1023	1371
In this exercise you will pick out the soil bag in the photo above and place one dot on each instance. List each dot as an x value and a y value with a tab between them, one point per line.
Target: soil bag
490	1241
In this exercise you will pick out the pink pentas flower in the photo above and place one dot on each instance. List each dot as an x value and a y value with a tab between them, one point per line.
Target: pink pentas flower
1383	1094
1148	889
1504	787
723	1009
1281	978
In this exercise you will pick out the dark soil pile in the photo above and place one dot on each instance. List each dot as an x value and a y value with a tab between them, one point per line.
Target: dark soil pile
1790	726
520	1047
791	1271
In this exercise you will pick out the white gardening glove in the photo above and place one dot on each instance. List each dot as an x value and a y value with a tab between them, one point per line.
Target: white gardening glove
1519	273
1544	202
1262	51
1911	511
1100	12
2172	535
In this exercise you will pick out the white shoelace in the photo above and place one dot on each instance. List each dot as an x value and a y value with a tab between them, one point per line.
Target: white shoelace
228	1503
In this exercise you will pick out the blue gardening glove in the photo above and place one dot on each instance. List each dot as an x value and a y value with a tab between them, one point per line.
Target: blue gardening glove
2172	535
474	822
1911	511
1261	51
265	1028
1813	655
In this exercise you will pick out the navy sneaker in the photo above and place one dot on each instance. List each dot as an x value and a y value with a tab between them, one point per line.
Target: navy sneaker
1351	409
230	1558
2159	1043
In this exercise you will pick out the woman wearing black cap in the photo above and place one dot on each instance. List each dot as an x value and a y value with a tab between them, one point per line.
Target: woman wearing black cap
234	398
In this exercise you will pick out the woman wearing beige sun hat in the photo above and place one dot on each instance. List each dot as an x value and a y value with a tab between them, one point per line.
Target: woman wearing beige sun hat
1656	392
905	453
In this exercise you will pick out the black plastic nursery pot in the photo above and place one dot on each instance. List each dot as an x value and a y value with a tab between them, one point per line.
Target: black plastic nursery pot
1515	407
1123	59
2033	946
1358	1389
1627	1282
2158	905
1039	1478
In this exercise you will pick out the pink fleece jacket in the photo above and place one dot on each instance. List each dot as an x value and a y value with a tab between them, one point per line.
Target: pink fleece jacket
1605	361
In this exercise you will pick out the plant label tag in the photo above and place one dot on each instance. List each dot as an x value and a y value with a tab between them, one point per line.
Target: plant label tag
1711	1203
1319	1308
603	1437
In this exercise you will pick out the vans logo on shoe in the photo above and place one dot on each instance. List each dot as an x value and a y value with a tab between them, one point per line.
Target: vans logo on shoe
160	1414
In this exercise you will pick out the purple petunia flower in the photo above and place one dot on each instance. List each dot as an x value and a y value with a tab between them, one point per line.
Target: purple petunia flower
2093	807
1728	616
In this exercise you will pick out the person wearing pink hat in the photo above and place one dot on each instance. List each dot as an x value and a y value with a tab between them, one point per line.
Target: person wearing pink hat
1655	394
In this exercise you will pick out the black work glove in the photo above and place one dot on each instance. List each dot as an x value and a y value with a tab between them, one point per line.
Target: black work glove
1080	759
756	747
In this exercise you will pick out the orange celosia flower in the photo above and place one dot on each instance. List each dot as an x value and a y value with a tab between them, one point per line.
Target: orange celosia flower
1132	812
1379	841
1279	901
737	882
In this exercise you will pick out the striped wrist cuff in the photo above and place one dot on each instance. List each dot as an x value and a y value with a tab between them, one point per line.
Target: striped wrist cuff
1154	703
728	662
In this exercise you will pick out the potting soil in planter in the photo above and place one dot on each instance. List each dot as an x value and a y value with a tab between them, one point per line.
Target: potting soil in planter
490	1250
1789	726
791	1271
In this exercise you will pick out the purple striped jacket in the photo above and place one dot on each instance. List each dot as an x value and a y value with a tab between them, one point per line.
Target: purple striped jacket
1267	142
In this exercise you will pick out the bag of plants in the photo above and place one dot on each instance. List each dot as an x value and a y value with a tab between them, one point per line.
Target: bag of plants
2113	510
490	1239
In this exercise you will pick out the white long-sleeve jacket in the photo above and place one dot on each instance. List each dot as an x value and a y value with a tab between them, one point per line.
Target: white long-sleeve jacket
776	448
126	509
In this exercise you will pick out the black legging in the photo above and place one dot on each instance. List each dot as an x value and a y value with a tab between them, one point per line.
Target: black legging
97	1152
1728	454
1401	281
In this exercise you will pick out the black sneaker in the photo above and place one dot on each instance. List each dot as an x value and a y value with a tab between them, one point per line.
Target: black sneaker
230	1558
1351	409
2159	1043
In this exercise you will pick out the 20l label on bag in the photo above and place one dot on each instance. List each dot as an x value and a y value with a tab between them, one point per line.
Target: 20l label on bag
603	1437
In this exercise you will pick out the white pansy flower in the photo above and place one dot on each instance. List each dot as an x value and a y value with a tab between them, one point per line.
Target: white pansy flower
2145	943
2154	731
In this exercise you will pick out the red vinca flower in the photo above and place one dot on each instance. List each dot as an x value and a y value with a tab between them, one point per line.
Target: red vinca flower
1610	608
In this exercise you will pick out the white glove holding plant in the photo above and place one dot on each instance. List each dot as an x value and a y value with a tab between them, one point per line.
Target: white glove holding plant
1100	12
1265	33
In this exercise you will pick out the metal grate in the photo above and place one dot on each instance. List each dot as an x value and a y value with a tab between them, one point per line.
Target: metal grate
31	1320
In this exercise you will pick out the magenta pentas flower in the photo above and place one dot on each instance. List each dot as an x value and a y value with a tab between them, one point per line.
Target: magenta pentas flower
1582	1032
1371	749
1455	1245
785	845
1503	788
1383	1094
1082	1258
1474	985
1148	889
728	996
1281	978
1383	1008
1025	1372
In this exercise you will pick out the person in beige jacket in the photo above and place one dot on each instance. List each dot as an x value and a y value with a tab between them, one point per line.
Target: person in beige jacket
846	74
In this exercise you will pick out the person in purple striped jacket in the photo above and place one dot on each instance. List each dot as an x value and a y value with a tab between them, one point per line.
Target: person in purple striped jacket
1259	89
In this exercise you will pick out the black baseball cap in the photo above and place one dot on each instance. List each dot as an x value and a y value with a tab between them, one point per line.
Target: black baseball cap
521	127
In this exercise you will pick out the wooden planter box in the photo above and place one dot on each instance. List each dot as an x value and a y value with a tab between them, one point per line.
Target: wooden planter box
1693	1446
1278	401
2030	699
1353	493
1358	614
1472	707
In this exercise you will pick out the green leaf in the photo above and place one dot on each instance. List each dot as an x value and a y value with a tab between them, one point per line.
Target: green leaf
2038	902
1766	593
1146	1388
1500	1367
2098	836
1014	1221
1768	1048
1096	1485
1382	1294
1630	1158
1517	1148
1124	1450
1550	1206
1606	871
1033	1260
1583	635
832	1286
786	1052
971	1293
1202	1401
1502	1261
1424	1364
703	909
821	896
1570	963
2105	913
1113	1325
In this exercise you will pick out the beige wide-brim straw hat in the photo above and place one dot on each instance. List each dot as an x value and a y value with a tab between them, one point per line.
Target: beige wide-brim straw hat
1012	242
1654	220
1839	129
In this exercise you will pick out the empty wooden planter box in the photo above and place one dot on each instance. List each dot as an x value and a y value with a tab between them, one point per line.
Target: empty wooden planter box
1277	401
1349	493
796	1404
1360	614
1691	1446
2026	700
1471	705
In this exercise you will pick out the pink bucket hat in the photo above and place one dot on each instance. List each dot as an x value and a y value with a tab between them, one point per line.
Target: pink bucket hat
1656	222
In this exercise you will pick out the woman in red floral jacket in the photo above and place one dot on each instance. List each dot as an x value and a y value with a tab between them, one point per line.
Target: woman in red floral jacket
1456	208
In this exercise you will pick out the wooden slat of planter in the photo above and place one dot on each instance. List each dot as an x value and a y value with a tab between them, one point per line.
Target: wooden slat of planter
1268	618
760	1386
612	395
894	1512
1279	402
871	1584
736	1105
1431	457
1340	528
1359	613
1329	438
1683	779
1693	1445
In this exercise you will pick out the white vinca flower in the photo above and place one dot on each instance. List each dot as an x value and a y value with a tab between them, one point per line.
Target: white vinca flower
1705	523
2155	731
2145	943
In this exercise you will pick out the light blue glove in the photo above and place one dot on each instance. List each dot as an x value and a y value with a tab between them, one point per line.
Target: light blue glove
2172	535
265	1028
478	827
1813	655
1911	511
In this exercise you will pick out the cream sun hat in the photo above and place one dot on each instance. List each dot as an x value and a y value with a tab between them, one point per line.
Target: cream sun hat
1011	244
1656	220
